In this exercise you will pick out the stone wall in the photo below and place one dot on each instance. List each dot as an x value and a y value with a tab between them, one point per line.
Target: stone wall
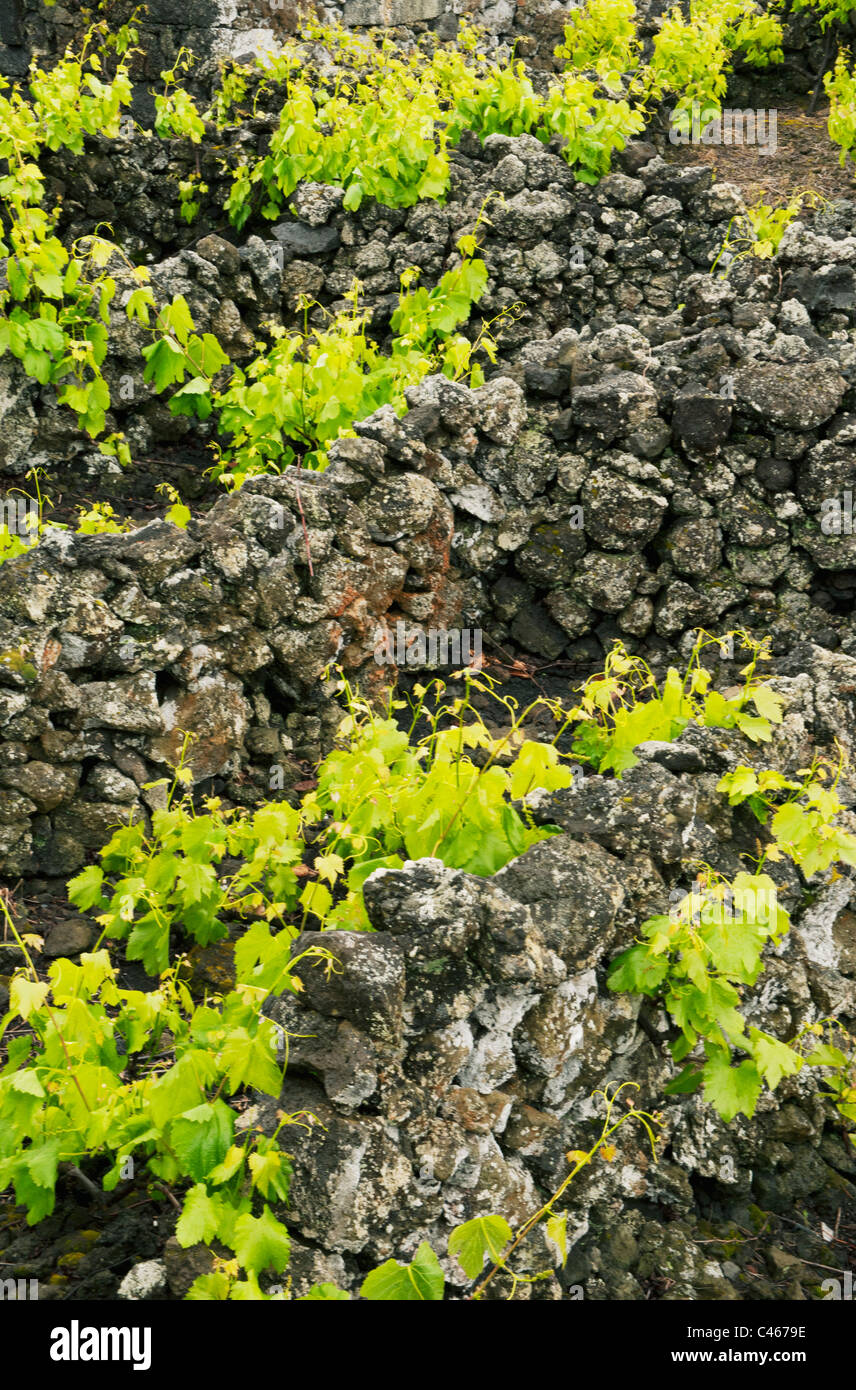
212	29
452	1061
216	29
656	452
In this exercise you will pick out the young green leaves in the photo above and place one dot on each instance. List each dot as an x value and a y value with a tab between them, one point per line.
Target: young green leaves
75	1090
177	352
625	706
421	1281
803	825
696	959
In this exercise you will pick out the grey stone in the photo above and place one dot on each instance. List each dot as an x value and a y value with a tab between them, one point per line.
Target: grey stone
69	938
144	1281
306	238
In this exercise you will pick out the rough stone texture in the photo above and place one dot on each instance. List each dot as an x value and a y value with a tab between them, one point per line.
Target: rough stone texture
390	12
655	508
147	1280
655	450
69	938
500	1026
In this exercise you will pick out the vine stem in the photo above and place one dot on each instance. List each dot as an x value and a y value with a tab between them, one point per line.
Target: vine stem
585	1158
10	922
162	1187
305	529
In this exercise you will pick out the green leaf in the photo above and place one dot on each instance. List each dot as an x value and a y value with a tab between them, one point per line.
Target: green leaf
85	889
195	879
251	1060
27	1083
201	1137
200	1217
149	943
730	1090
209	1288
735	945
271	1172
42	1162
178	514
756	730
247	1291
139	303
182	1086
261	1242
257	945
685	1083
213	356
49	282
419	1282
767	703
718	712
26	995
177	318
773	1059
472	1241
35	1196
740	784
637	971
791	825
18	1051
229	1167
328	1293
825	1055
537	765
166	364
317	899
46	335
194	399
557	1230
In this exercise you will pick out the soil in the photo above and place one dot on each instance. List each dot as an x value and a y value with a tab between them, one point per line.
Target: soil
132	492
801	162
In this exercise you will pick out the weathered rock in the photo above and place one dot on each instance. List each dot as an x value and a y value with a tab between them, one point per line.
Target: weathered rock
69	938
701	420
799	396
365	983
615	406
144	1281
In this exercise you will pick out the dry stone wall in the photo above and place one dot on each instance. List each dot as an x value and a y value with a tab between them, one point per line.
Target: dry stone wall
218	29
452	1062
660	449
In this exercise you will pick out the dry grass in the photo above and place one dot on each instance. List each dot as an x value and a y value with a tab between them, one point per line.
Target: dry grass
805	159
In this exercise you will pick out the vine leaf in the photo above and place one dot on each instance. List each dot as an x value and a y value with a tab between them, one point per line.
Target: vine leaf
200	1217
731	1090
261	1242
557	1231
485	1235
419	1282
